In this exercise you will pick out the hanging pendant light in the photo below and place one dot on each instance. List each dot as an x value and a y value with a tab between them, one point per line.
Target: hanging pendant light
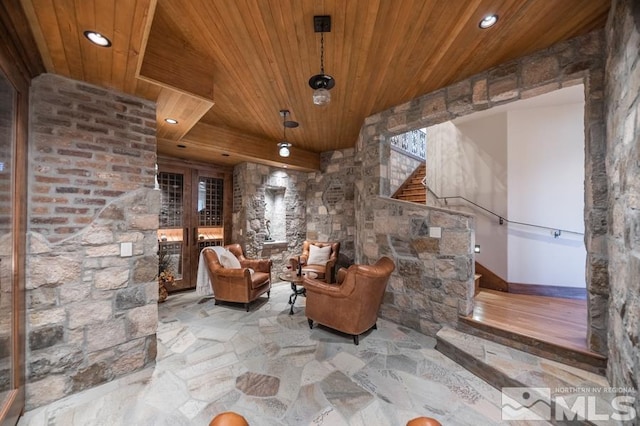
321	83
284	146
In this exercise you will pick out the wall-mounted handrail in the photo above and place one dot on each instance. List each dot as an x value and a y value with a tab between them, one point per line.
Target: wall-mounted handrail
501	219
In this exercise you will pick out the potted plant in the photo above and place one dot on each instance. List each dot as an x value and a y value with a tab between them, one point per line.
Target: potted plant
165	275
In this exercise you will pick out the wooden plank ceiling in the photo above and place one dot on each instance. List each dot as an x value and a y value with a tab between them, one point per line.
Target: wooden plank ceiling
224	69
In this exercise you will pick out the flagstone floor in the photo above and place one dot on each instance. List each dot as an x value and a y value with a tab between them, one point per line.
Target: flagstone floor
271	368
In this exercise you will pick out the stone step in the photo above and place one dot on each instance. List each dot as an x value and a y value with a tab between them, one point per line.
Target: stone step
505	367
585	360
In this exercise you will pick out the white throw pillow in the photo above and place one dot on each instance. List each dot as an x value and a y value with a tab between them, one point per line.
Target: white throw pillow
318	255
229	260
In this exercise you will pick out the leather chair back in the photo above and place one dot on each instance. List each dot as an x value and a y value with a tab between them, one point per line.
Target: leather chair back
352	306
326	272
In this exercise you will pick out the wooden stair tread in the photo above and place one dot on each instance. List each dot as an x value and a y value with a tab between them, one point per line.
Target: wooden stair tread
412	190
415	192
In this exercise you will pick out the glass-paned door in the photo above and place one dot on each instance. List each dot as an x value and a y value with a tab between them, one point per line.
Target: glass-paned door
210	226
208	212
192	216
173	235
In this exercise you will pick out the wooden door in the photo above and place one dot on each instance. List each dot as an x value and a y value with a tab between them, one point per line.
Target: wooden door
208	215
195	213
174	225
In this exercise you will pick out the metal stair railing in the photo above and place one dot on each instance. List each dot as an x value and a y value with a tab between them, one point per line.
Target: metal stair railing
501	219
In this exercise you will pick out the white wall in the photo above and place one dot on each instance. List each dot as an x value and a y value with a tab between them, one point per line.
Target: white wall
525	163
485	146
546	187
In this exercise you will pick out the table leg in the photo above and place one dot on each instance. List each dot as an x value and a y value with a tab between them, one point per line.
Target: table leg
294	296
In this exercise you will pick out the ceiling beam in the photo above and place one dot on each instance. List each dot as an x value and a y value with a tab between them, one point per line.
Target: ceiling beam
186	109
248	148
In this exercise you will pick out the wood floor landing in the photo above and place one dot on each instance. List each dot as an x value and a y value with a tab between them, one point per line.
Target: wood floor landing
555	321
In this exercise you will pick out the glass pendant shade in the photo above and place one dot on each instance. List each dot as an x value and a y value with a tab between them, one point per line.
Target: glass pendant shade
284	149
321	96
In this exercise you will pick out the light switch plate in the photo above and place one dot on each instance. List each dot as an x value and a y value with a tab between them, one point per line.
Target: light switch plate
126	249
435	232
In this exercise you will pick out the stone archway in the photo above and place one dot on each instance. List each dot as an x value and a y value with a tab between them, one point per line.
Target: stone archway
576	61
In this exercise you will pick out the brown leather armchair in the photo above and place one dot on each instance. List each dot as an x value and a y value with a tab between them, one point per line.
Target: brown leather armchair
326	270
238	285
352	305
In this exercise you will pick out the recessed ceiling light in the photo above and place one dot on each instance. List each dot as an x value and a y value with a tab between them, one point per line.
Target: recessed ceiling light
181	146
97	38
171	120
488	21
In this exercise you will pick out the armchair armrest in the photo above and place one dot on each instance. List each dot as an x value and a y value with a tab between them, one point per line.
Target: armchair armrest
259	265
233	273
329	268
317	286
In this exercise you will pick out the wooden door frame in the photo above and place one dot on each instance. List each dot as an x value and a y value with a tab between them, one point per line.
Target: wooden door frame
192	171
20	62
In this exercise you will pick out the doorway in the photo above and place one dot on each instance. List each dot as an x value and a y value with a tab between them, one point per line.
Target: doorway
195	213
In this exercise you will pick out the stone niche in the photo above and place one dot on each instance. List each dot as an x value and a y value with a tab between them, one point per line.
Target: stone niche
275	213
262	193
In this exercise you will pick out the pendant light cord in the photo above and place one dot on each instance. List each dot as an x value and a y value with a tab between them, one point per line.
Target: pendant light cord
322	53
284	127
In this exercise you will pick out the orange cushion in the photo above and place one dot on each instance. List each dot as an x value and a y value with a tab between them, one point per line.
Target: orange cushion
229	418
423	421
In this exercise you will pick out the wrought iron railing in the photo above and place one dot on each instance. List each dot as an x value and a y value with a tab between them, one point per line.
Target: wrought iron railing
412	143
501	220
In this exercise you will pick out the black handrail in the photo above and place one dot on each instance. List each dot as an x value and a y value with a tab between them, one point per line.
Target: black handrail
501	220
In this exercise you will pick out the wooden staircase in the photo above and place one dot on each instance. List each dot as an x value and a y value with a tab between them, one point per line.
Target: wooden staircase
412	189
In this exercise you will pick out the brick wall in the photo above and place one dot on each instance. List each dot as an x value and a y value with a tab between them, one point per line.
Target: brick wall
623	171
91	314
579	60
90	147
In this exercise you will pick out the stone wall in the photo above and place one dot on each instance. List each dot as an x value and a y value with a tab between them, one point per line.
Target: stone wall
623	171
250	184
433	282
401	166
579	60
91	314
330	203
